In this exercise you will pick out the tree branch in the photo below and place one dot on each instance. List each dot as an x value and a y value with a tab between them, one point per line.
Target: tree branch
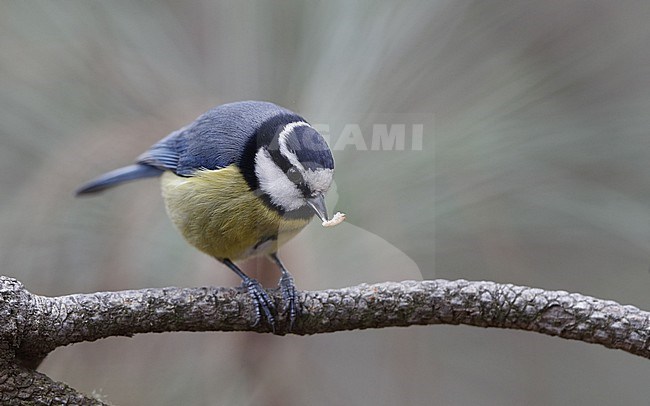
21	386
40	324
31	326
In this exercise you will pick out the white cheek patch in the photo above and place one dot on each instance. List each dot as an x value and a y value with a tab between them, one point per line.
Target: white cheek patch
319	180
282	191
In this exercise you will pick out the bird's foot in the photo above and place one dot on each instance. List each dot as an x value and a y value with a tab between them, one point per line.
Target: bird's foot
290	305
263	302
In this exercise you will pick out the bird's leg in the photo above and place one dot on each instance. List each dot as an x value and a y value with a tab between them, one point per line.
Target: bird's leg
288	289
262	300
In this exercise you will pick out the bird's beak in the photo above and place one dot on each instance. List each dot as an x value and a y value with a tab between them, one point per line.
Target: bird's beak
317	203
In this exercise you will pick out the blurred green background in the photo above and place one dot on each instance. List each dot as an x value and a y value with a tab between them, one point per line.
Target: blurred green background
533	170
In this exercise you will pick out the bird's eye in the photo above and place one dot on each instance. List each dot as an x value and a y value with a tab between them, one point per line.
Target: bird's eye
294	175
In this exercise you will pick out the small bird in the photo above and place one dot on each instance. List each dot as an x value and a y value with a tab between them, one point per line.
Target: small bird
240	181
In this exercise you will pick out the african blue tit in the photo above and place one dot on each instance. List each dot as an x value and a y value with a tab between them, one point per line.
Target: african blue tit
239	181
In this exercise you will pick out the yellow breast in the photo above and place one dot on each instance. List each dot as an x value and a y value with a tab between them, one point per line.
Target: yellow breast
216	211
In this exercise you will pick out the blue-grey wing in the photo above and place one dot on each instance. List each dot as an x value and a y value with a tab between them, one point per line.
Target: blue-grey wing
165	154
215	140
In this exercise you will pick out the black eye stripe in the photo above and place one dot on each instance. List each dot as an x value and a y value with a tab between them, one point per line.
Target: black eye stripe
283	163
291	171
279	159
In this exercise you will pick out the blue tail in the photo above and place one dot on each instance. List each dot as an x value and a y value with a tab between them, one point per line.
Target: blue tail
118	176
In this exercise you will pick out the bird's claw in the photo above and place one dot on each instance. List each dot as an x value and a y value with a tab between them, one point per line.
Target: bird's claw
290	305
263	302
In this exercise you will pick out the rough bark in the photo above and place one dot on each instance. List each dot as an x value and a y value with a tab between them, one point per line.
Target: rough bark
31	326
21	386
